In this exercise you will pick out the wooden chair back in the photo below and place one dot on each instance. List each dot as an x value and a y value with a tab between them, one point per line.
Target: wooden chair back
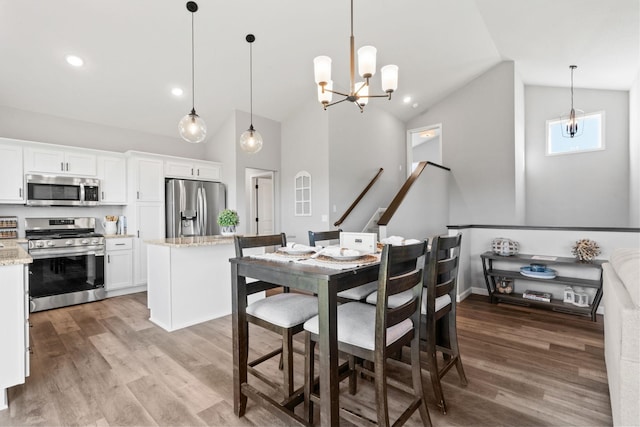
245	242
392	282
320	236
441	277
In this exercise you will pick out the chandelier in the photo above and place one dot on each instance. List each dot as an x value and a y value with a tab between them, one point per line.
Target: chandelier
251	140
359	91
572	123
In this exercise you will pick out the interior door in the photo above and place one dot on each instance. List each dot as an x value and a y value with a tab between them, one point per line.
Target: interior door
264	205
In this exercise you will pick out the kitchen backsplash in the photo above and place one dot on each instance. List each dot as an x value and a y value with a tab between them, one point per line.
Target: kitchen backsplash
22	212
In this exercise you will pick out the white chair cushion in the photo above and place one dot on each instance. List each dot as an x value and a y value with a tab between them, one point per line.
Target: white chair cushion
403	297
359	293
285	310
357	323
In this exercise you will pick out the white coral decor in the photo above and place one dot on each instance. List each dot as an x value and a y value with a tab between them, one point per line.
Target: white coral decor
585	249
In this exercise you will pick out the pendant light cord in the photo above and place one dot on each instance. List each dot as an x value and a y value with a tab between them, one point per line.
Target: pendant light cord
251	82
193	84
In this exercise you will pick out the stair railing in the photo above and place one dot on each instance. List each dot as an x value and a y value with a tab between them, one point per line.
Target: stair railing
397	200
357	200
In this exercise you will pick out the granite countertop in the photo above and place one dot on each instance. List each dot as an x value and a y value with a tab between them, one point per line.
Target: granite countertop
11	253
118	236
193	241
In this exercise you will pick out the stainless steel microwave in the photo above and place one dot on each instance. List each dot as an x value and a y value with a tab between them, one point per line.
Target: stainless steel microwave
45	190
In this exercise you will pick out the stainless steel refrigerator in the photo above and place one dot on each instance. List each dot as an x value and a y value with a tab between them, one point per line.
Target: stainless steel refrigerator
192	207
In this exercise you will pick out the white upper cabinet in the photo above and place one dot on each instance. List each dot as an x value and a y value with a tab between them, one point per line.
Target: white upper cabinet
148	179
59	161
112	172
189	169
11	172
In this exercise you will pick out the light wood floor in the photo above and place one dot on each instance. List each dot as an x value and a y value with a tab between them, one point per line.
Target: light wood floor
105	364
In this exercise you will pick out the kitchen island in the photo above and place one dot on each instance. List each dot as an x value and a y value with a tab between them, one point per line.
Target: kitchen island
14	317
188	280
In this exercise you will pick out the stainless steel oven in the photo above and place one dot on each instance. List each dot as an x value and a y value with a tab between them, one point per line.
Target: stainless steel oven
68	262
44	190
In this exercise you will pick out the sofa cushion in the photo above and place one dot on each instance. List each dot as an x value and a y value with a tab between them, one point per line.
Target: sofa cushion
626	263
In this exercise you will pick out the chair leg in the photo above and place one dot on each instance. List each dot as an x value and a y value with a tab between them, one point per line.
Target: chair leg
353	375
309	366
287	358
416	374
434	373
382	407
453	342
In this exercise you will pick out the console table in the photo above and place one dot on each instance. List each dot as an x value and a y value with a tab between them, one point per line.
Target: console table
491	275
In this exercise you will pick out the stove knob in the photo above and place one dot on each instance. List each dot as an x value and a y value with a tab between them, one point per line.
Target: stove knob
94	242
50	244
39	244
69	242
84	242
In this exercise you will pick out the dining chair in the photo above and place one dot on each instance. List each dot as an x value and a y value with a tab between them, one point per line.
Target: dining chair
374	333
358	293
438	332
283	313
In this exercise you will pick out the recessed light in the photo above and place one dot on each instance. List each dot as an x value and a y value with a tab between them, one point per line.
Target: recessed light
406	99
176	91
415	105
74	60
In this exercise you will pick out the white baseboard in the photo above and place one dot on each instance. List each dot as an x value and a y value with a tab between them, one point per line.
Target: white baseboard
126	291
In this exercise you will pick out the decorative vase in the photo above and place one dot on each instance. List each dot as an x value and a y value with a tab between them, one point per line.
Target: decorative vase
228	230
505	247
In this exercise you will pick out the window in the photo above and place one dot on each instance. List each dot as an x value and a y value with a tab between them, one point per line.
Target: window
592	138
302	185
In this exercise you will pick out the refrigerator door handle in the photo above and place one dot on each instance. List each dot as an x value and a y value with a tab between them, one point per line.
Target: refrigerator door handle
205	214
200	208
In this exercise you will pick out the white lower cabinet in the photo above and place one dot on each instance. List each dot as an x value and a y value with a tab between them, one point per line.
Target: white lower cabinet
119	265
14	317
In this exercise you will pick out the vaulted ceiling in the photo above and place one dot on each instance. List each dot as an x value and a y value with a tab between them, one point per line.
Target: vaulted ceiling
136	51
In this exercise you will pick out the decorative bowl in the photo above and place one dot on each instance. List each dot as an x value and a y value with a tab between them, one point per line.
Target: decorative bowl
505	247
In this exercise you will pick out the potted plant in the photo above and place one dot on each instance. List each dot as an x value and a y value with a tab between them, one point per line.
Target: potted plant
228	219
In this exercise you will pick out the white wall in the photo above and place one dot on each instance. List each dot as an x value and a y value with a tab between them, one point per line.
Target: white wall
359	145
584	189
38	127
634	154
478	145
305	146
221	148
519	149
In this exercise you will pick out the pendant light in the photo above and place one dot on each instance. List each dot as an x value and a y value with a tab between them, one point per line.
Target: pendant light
251	140
192	128
572	123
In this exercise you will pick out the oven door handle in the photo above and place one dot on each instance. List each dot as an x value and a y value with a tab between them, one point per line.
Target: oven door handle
56	253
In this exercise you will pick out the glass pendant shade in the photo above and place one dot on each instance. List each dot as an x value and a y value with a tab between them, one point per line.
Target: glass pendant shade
367	61
322	69
389	78
251	141
192	128
324	97
362	89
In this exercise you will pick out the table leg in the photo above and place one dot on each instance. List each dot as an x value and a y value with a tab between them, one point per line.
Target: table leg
328	348
240	339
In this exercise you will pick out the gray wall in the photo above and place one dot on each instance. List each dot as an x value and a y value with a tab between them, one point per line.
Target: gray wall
359	145
305	146
634	154
38	127
583	189
478	145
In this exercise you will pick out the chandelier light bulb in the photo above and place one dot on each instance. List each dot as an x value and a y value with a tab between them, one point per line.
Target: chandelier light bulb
389	78
367	61
192	128
322	69
324	94
251	141
362	89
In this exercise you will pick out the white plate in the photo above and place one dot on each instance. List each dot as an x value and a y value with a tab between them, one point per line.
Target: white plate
289	251
344	257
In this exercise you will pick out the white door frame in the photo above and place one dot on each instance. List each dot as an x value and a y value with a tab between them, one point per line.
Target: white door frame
252	175
411	133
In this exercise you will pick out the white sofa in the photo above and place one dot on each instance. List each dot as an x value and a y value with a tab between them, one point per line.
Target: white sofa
622	334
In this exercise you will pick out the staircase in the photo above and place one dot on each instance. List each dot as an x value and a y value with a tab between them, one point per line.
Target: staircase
372	225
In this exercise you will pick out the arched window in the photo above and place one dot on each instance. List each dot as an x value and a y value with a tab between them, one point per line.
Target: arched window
302	188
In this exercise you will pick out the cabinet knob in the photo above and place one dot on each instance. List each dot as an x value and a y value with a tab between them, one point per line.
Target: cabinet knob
62	166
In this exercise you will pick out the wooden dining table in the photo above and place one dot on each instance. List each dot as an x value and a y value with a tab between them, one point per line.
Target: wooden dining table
326	283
